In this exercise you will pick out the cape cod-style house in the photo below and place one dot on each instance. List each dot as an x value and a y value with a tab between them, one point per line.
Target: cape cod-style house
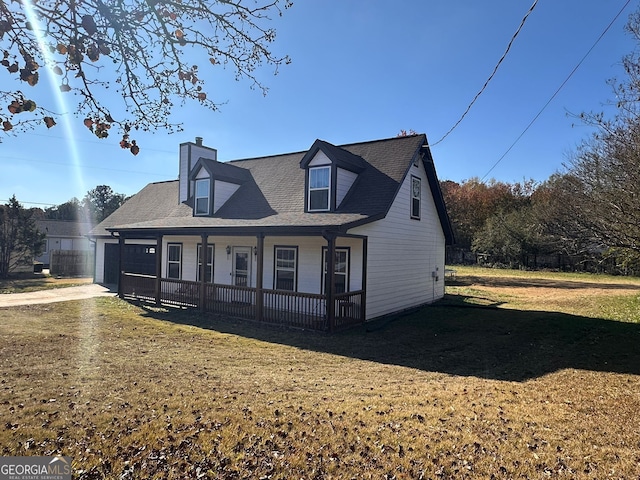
319	239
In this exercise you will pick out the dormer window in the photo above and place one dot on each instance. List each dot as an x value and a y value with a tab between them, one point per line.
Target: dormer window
203	190
330	174
319	188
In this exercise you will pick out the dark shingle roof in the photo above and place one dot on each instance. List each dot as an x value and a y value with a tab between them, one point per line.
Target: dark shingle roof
154	202
63	228
272	193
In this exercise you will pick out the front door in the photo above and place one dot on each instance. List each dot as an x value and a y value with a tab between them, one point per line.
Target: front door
241	266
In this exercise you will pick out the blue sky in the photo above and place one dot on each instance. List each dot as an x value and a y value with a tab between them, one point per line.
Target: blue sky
363	70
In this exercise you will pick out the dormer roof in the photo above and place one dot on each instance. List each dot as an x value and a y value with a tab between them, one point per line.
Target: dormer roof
225	172
338	156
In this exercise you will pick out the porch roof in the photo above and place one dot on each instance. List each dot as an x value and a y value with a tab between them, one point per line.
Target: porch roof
280	224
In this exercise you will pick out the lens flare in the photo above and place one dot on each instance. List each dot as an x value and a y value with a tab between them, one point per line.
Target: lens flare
60	100
86	313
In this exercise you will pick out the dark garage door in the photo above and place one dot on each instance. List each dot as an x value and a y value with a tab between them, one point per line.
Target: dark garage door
137	259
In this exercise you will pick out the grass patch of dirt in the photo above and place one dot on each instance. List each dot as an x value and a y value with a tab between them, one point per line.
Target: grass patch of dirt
488	383
36	282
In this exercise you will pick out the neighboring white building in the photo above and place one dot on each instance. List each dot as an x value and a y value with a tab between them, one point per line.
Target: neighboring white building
63	235
268	226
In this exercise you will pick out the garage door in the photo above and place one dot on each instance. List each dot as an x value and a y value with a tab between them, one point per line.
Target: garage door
137	259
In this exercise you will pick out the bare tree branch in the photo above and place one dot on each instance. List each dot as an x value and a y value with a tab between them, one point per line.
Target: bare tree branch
143	48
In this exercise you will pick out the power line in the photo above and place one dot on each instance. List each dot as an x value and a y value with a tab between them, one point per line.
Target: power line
96	142
495	69
31	203
558	90
83	166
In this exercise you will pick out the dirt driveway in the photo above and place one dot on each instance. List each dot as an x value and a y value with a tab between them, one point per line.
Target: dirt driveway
55	295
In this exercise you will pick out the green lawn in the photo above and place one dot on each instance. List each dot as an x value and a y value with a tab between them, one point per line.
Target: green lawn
512	375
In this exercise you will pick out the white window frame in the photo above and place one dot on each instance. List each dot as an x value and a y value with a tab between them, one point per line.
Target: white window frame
279	268
178	262
207	197
415	197
347	252
210	248
318	189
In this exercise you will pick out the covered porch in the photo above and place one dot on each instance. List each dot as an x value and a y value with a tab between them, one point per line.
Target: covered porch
289	278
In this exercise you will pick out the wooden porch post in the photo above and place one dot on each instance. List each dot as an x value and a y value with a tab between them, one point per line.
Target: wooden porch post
259	275
158	287
330	286
203	270
120	264
363	306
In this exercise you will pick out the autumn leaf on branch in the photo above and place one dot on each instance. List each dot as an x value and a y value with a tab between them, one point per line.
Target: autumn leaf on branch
140	49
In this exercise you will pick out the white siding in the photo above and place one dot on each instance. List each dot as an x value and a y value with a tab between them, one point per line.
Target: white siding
189	264
319	159
310	261
222	263
309	273
343	184
403	253
222	191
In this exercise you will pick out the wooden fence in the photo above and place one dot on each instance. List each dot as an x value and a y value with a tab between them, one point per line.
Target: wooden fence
71	263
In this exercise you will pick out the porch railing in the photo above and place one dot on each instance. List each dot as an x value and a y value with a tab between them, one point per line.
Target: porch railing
349	309
182	293
138	286
282	307
303	310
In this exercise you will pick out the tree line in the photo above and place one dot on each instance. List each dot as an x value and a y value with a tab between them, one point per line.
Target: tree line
95	206
577	220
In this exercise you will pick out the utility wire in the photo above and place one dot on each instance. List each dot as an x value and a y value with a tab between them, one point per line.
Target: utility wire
31	203
84	167
495	69
558	90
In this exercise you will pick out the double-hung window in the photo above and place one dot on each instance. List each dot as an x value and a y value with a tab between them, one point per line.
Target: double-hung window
202	196
208	273
415	197
286	260
341	273
174	261
319	188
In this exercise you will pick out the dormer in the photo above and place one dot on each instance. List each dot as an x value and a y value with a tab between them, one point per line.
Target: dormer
205	183
189	154
213	184
330	173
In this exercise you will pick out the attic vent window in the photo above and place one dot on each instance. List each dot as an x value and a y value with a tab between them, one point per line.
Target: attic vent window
319	187
202	196
415	197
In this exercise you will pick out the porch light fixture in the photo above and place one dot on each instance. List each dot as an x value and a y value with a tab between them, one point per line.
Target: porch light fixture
255	251
228	250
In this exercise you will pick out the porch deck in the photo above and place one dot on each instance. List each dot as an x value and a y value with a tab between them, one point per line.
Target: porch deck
277	307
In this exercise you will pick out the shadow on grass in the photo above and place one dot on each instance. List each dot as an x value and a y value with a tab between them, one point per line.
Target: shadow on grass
529	282
17	285
459	339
